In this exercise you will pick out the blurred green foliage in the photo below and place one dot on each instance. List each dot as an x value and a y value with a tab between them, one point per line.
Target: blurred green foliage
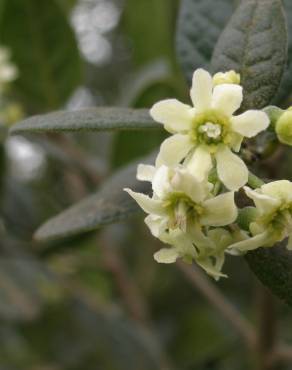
99	301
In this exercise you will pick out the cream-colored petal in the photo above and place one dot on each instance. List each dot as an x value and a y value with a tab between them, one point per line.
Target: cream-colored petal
148	204
173	150
161	181
145	172
156	224
264	203
252	243
281	189
200	163
232	171
211	269
219	211
250	123
236	142
201	91
184	182
166	255
175	115
227	98
221	238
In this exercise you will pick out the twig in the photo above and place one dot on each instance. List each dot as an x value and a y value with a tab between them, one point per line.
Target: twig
217	300
129	292
266	340
282	354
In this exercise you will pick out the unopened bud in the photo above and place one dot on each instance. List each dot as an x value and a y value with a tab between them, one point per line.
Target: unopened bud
230	77
283	127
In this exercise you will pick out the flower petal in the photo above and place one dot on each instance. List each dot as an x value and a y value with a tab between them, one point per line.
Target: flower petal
219	211
281	189
211	269
145	172
161	181
232	171
227	98
184	182
201	91
200	163
156	224
250	123
166	255
173	150
148	204
263	202
252	243
175	115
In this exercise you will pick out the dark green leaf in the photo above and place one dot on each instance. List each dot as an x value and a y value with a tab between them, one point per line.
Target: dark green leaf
200	23
286	84
84	334
254	43
109	205
25	284
44	49
94	119
273	267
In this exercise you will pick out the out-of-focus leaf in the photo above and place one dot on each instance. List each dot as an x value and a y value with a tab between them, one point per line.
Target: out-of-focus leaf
44	49
273	267
3	133
286	85
254	43
200	23
149	75
151	39
109	205
81	334
94	119
25	283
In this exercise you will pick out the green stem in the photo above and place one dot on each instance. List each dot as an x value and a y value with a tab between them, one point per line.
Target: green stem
253	181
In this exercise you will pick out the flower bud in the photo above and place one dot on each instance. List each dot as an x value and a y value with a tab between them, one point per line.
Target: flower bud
283	127
230	77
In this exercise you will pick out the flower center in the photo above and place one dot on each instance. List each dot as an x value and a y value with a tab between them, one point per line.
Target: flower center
212	130
181	209
280	220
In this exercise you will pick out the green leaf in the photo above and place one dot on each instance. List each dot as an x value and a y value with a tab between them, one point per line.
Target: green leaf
108	205
44	49
200	23
154	39
25	284
286	84
254	43
273	267
94	119
86	334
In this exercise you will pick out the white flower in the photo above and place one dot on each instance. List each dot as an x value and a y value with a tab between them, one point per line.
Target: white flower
208	252
209	131
8	71
179	209
180	200
273	223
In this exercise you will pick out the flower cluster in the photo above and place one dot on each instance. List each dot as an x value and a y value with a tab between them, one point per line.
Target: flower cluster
197	171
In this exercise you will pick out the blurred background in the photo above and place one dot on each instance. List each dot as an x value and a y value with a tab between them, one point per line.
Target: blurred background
98	301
